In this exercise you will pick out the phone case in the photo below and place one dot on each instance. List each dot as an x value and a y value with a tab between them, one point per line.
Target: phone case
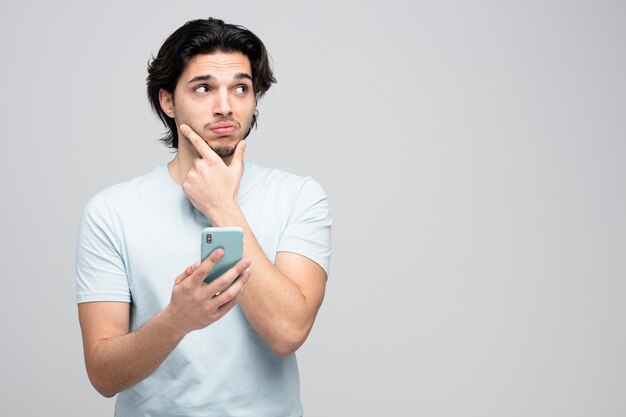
228	238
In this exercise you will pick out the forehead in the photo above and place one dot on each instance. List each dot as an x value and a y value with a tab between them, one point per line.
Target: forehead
217	64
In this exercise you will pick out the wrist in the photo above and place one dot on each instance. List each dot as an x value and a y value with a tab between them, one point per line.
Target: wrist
168	324
228	216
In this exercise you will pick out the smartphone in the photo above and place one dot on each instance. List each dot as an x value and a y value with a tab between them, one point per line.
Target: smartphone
230	239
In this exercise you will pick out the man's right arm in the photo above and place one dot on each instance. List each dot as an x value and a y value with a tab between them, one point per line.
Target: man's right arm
116	359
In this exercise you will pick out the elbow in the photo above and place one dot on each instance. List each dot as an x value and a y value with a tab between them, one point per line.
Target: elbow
284	349
104	388
289	341
106	394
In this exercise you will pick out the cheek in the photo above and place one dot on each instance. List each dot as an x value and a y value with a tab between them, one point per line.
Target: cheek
250	107
184	112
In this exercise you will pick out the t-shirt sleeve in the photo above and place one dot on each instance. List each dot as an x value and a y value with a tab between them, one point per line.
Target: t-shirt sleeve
308	229
100	270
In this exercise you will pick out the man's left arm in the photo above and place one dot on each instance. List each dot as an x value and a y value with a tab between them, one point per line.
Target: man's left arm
281	300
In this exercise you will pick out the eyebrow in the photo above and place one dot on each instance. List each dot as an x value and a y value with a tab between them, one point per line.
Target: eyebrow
208	77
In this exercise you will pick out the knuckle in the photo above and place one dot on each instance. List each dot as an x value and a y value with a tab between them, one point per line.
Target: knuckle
197	299
231	294
233	290
209	309
222	281
185	286
240	286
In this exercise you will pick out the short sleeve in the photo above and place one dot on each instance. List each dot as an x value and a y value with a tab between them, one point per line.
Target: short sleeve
100	270
308	228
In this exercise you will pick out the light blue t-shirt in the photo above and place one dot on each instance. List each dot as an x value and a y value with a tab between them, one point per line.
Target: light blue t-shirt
136	237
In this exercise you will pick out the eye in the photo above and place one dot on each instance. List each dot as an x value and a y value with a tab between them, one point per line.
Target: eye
201	89
241	89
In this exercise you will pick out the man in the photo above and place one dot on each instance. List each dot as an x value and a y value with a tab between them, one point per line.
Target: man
185	351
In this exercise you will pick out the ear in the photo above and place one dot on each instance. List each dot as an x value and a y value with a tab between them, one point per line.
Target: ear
166	100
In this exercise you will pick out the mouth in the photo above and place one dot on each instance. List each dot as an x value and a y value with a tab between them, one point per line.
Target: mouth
225	128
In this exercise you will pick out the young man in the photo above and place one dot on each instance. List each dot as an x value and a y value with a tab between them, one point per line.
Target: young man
185	350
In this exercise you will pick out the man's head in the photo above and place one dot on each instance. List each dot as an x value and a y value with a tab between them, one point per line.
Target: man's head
209	75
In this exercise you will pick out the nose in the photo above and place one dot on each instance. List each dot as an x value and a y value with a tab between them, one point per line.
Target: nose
221	106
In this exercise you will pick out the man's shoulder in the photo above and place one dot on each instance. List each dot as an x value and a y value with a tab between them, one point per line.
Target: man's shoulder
134	192
274	177
151	180
282	187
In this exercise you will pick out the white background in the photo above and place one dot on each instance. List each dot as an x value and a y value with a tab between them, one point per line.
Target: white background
474	158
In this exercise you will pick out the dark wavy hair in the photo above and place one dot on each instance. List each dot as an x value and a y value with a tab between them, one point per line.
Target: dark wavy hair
204	36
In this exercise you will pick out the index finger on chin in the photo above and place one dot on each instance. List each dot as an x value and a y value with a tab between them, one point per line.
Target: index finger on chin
198	143
239	152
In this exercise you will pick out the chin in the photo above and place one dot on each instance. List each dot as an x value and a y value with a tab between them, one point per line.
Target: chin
224	151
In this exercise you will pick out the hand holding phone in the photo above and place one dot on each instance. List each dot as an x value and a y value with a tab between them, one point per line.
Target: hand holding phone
194	304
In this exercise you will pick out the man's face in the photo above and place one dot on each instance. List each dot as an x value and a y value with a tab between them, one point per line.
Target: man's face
215	97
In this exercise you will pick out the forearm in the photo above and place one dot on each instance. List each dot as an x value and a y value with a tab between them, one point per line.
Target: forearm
273	304
119	362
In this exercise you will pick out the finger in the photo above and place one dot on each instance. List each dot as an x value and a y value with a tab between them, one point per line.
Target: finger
242	281
225	308
233	292
224	280
244	277
187	273
198	143
207	265
237	160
